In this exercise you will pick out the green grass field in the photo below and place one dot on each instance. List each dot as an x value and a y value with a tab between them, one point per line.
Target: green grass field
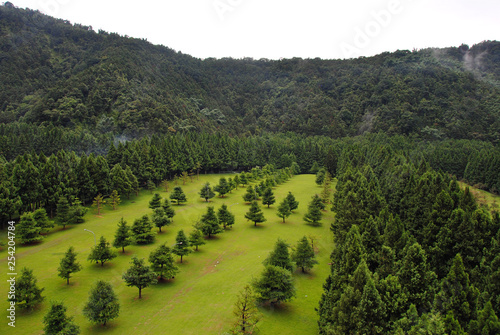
491	201
201	298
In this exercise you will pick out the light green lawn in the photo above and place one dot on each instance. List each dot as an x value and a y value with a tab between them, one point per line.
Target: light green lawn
490	200
201	298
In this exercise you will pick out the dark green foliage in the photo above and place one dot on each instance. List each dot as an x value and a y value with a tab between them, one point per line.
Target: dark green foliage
42	220
418	281
274	286
303	255
155	201
313	215
371	311
206	192
487	322
268	197
150	185
68	265
103	305
139	275
77	212
226	218
27	230
169	211
162	262
280	256
63	216
284	210
56	321
292	203
101	252
28	294
178	195
160	219
209	223
196	238
123	236
250	195
223	187
320	176
141	231
255	214
457	295
182	245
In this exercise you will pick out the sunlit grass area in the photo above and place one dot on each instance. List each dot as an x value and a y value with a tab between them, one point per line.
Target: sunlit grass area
201	298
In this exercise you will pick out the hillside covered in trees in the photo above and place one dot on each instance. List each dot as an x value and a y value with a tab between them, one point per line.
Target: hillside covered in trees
72	84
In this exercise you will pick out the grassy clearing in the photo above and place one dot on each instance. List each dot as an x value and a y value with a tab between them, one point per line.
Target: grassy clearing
201	298
491	201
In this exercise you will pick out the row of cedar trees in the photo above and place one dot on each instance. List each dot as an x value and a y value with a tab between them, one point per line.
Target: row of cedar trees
32	181
413	252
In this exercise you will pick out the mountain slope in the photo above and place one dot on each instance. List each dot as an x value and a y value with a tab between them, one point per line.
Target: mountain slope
55	73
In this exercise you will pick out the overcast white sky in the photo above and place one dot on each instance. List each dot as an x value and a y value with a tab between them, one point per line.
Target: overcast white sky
274	29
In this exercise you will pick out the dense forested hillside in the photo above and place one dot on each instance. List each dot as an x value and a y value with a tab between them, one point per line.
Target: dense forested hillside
67	79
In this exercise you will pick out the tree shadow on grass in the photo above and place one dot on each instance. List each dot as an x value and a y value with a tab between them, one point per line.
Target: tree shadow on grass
280	309
100	329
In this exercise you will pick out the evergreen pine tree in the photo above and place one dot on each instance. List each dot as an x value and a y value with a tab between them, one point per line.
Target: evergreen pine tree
206	192
303	255
223	187
487	322
280	256
28	295
210	223
68	265
101	252
417	279
139	275
122	235
371	311
27	230
155	202
162	262
182	245
268	197
274	286
255	214
226	218
250	195
313	215
56	321
103	305
42	220
169	211
178	195
196	238
292	203
457	295
159	218
141	231
63	212
284	210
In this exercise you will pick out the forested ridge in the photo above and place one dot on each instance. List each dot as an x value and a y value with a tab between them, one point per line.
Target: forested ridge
67	78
